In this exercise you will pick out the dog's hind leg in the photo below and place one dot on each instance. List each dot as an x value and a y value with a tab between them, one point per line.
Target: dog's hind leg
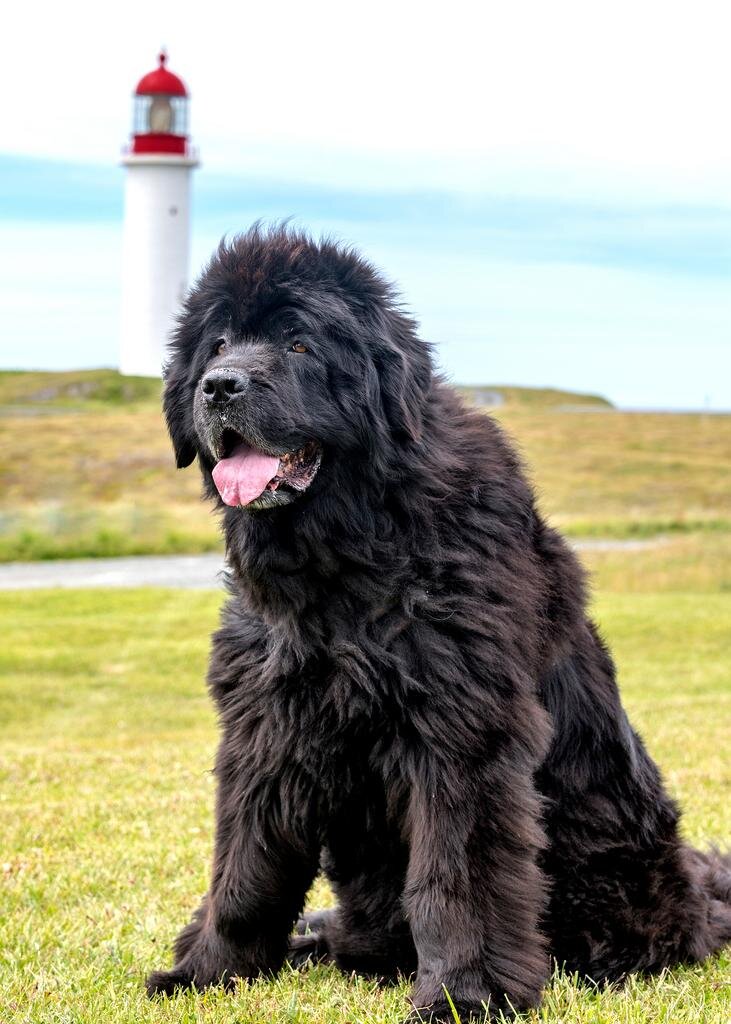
626	893
378	945
309	944
367	931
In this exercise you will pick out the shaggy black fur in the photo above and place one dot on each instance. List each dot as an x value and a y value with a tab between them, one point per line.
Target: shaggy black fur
410	692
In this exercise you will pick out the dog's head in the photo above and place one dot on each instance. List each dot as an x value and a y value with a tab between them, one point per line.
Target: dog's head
290	358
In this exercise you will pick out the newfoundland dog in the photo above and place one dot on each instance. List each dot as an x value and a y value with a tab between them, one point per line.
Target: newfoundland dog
411	696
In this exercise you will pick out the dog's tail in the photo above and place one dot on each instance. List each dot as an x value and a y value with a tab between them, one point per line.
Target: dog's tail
718	874
711	871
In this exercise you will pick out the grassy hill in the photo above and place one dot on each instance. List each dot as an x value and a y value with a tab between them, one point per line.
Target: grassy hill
81	390
495	396
87	468
86	389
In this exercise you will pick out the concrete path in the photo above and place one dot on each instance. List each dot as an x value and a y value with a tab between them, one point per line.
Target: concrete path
193	572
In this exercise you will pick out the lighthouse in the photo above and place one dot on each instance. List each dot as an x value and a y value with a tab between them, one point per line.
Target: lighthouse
156	243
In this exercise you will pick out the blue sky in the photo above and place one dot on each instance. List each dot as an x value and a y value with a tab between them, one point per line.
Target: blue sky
552	195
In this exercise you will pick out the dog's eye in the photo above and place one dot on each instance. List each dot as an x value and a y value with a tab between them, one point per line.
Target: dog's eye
221	347
299	347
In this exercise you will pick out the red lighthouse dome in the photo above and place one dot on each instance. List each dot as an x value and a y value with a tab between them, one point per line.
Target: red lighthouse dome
160	116
161	81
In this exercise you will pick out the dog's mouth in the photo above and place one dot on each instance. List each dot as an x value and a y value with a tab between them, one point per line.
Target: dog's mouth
248	476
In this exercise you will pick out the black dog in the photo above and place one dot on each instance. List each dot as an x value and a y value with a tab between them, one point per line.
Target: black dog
410	693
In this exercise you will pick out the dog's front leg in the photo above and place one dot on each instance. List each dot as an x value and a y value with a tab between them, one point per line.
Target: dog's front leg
264	862
474	892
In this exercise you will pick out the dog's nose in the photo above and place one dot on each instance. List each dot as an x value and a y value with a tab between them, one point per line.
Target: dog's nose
223	385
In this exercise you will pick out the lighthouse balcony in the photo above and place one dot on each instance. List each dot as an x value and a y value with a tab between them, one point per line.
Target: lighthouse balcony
161	142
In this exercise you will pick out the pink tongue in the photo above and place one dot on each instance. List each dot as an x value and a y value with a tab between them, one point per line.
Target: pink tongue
244	475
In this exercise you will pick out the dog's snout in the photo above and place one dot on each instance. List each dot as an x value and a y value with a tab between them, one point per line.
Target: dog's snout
223	385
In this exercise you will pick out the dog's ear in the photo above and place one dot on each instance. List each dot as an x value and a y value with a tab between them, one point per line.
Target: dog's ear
400	397
405	377
176	405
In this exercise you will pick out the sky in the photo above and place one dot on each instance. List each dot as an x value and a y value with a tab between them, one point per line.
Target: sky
549	185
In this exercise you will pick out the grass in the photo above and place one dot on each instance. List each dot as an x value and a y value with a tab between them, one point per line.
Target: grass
107	736
694	563
87	468
106	743
628	474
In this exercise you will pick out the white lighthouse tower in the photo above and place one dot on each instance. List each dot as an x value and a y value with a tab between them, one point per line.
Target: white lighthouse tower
158	162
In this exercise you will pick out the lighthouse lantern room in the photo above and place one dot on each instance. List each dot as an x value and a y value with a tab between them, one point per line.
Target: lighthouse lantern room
158	163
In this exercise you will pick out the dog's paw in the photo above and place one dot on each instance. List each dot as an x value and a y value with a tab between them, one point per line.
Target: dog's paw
312	922
167	983
307	949
441	1013
308	944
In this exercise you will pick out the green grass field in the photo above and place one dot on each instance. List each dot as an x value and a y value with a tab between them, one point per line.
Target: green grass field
107	736
106	796
87	468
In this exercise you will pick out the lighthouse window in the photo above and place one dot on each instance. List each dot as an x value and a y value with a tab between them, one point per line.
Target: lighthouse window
180	115
139	119
160	115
